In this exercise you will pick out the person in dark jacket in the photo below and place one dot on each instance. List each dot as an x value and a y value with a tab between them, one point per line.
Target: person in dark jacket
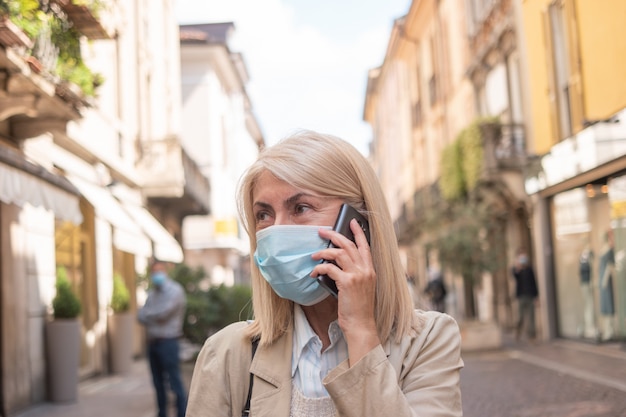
526	293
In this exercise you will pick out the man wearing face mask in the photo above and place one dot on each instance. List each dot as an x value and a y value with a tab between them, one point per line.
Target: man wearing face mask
163	316
526	293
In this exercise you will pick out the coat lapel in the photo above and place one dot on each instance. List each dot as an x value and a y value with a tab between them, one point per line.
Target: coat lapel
271	367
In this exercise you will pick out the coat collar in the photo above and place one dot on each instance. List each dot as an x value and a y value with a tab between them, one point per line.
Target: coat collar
271	367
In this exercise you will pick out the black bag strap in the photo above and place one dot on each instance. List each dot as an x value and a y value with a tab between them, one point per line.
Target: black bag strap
246	409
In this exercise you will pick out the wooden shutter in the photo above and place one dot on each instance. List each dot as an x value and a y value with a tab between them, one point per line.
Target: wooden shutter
577	112
551	76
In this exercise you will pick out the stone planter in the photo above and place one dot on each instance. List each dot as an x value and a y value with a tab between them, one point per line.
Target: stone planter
477	336
121	330
63	359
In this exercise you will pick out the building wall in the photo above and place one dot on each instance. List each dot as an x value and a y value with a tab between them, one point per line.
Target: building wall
417	103
28	271
603	56
214	129
574	203
139	100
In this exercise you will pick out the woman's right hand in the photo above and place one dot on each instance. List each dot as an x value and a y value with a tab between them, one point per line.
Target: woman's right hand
355	277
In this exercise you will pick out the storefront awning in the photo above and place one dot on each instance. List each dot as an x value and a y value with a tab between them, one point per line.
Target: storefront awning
165	247
127	235
18	187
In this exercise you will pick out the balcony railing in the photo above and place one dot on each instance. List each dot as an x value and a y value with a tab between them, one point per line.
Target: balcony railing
173	179
504	146
504	150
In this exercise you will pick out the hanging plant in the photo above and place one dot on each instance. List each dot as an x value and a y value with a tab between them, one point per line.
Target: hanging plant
462	161
452	182
471	146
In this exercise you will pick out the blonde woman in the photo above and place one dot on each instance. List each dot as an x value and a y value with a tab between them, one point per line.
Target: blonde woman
366	352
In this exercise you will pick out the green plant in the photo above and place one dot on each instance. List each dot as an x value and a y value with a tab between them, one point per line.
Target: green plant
210	308
462	161
452	183
66	304
29	16
120	300
471	147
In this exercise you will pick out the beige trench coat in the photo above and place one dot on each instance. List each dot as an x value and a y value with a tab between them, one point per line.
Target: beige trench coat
417	377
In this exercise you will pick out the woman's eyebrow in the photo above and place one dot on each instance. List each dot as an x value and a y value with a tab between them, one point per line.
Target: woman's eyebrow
297	197
262	205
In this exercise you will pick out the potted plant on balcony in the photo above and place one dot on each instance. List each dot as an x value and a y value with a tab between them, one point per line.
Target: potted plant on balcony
63	341
121	326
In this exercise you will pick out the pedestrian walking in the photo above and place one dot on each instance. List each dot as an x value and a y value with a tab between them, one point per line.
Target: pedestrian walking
436	290
526	293
163	315
364	352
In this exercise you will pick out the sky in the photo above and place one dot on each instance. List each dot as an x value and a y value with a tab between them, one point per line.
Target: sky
307	59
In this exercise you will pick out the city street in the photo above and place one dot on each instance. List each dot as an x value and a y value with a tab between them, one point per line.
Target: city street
556	379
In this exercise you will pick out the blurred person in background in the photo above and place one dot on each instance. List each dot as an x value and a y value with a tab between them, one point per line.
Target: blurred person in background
526	293
163	315
436	290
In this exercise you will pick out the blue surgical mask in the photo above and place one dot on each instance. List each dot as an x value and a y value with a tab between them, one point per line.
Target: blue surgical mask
283	255
158	278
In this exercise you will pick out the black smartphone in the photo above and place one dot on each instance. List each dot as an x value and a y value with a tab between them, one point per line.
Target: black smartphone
342	225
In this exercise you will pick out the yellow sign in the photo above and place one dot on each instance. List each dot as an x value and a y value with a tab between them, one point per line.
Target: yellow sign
226	227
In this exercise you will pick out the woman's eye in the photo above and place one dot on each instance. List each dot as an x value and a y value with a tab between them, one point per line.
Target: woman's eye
300	208
261	216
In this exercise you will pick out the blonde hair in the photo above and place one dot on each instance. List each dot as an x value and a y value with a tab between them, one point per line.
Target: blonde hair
328	166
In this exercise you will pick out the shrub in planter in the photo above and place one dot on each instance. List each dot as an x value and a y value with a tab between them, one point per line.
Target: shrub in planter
65	305
120	301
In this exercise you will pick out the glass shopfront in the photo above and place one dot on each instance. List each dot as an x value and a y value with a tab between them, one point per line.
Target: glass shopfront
589	236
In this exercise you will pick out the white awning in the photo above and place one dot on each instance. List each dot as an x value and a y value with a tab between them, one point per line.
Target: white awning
18	187
127	235
165	247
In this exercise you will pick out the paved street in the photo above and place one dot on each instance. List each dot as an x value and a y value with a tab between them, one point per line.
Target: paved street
557	379
560	379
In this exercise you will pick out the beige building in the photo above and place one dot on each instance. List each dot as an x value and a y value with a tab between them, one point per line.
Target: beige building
221	130
95	182
447	118
417	102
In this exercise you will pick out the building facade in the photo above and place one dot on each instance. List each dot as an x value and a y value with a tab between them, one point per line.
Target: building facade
451	75
94	180
222	132
409	102
578	101
549	104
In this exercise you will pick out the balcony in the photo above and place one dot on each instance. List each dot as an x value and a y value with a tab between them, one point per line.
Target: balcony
85	19
172	180
414	212
38	68
504	147
31	103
